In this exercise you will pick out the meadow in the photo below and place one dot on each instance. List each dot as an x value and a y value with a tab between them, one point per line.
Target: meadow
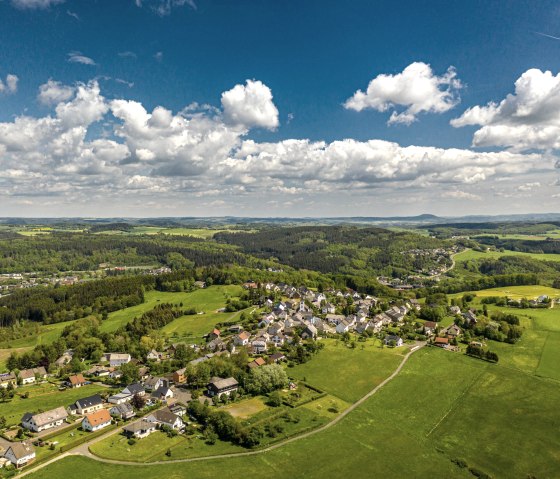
472	254
514	292
349	373
442	407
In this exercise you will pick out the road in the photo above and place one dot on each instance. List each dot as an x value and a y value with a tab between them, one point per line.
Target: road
83	450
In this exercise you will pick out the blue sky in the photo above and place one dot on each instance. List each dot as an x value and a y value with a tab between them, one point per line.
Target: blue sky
305	61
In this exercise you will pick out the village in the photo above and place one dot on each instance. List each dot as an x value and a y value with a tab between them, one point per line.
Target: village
286	321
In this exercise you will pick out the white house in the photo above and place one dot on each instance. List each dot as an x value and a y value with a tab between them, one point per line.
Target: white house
96	420
45	420
89	404
165	417
20	453
118	359
140	429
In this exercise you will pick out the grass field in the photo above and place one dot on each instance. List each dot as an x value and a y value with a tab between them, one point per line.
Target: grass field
515	292
349	373
471	254
206	300
43	397
246	408
549	364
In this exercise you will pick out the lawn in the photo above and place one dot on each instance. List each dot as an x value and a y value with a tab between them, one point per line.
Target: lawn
349	373
43	397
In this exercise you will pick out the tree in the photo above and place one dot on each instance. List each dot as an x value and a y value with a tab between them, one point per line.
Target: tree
130	373
274	399
138	401
267	379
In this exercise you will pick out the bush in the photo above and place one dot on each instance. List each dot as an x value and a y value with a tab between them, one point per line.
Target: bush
131	441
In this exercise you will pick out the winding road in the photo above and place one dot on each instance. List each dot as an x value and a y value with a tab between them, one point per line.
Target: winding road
83	450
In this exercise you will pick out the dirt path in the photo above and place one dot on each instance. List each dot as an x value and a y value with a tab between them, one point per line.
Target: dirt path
83	450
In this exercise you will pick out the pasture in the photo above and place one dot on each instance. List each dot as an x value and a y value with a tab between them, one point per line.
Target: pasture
514	292
349	373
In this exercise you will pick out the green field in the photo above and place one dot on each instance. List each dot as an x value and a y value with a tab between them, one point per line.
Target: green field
206	300
471	255
549	365
515	292
442	406
44	397
349	373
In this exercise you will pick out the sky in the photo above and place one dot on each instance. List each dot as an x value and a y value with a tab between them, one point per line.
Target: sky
273	108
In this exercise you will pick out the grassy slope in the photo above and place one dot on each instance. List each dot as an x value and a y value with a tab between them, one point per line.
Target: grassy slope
515	292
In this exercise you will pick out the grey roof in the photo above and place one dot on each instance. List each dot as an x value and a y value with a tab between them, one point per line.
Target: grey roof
141	425
220	383
135	388
21	449
165	416
89	401
46	417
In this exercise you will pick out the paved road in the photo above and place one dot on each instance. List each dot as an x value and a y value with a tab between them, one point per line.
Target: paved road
83	450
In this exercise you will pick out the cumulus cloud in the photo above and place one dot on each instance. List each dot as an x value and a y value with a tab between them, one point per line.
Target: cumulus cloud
35	4
525	120
250	105
417	89
203	151
9	85
77	57
54	92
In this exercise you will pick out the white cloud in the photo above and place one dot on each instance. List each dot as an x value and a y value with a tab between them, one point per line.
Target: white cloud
35	4
77	57
250	105
54	92
127	54
158	56
9	86
529	186
416	88
461	195
527	119
73	15
165	7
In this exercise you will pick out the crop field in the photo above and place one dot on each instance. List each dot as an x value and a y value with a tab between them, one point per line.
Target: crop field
44	397
471	254
349	373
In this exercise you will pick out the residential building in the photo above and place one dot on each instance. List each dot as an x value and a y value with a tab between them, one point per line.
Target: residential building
44	420
89	404
164	417
20	453
219	386
96	420
140	429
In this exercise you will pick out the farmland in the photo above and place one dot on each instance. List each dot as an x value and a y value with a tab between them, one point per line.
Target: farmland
472	254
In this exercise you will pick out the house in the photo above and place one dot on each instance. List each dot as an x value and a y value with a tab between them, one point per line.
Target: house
397	339
123	411
470	317
89	404
335	318
259	345
77	381
153	383
430	328
26	376
453	331
139	429
133	389
455	310
216	345
178	409
343	327
199	284
441	342
164	417
215	333
277	357
20	453
119	398
235	329
118	359
64	359
278	339
153	355
8	378
162	393
219	386
242	339
256	363
96	420
179	376
44	420
309	331
144	373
